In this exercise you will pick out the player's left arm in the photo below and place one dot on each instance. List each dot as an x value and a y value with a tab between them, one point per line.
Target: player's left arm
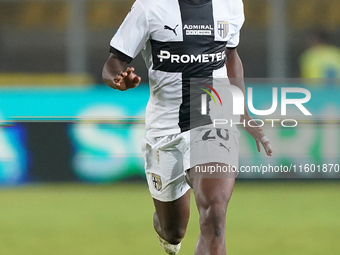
125	45
236	77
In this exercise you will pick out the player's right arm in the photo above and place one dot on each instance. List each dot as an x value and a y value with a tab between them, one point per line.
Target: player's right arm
115	75
128	41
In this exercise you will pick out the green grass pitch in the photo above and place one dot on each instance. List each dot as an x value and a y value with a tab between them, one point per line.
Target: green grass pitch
264	218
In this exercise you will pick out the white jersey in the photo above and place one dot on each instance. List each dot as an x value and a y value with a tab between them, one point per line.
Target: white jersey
179	40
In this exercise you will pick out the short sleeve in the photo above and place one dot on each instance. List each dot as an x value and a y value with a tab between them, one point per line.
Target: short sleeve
235	27
132	35
234	40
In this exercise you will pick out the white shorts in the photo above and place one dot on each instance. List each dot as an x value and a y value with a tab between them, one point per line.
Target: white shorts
168	157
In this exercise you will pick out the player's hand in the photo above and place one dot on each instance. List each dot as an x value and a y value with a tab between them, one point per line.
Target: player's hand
126	80
256	132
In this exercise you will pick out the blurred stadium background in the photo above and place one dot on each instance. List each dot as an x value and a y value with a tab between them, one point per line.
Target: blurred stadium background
71	172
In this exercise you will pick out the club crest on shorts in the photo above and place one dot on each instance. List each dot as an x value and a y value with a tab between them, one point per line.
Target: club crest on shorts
157	182
223	28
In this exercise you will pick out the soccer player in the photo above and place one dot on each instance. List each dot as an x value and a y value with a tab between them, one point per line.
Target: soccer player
180	40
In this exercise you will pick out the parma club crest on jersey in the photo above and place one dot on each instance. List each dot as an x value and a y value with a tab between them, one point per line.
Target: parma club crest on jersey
157	182
223	28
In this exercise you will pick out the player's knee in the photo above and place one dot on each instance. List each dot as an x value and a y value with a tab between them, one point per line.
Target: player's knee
213	218
174	235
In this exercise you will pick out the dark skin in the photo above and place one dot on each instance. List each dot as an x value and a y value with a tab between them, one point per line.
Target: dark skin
117	77
212	195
